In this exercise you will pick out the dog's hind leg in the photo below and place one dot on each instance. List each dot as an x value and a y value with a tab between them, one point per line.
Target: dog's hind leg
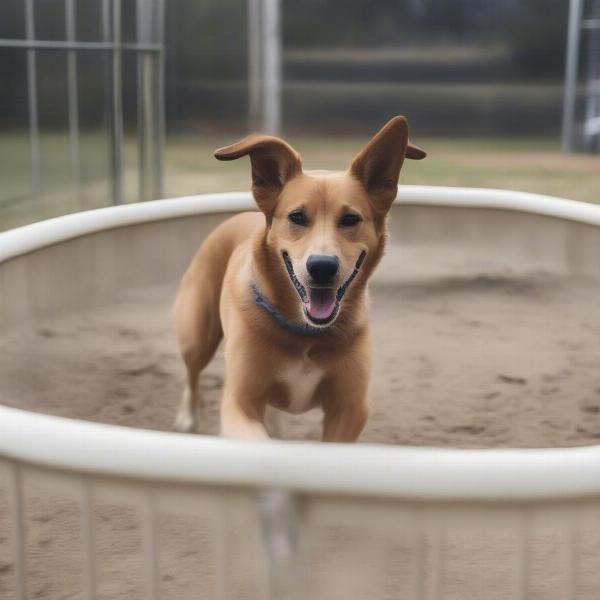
199	332
186	416
197	318
273	422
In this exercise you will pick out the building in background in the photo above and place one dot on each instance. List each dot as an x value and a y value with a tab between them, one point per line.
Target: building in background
481	69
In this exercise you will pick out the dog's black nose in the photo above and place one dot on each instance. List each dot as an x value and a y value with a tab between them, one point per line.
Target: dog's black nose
322	268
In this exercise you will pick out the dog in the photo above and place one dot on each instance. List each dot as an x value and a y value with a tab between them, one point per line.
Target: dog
286	287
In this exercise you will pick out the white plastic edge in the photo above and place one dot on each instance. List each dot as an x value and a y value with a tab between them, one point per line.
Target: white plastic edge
359	469
44	233
51	231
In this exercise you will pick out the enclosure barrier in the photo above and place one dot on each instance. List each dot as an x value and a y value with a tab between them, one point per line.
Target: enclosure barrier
287	519
148	48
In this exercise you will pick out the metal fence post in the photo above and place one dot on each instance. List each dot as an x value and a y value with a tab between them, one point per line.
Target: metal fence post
572	62
150	86
73	97
254	64
34	133
591	132
112	25
271	66
160	98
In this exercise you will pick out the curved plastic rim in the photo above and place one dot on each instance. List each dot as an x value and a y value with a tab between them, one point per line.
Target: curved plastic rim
38	235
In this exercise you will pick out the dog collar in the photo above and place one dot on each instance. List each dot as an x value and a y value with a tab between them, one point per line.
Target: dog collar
304	329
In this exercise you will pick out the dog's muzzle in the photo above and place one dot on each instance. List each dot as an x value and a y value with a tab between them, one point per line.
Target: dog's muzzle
322	304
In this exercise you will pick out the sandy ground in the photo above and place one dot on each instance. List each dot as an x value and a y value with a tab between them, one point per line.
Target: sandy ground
468	353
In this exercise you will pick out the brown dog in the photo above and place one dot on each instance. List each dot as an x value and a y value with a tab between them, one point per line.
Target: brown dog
287	288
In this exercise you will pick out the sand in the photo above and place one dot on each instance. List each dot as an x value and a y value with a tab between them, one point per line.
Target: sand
467	353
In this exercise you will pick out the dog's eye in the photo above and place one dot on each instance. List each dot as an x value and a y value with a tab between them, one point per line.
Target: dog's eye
349	220
297	217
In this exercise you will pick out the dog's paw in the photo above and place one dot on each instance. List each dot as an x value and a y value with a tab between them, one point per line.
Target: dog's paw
184	421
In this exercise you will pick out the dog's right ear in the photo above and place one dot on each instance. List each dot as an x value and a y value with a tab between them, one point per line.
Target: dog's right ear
274	163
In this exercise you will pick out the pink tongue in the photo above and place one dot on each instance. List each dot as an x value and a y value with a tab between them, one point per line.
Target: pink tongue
321	302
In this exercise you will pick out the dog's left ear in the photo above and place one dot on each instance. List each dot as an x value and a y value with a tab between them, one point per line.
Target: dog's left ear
378	165
274	163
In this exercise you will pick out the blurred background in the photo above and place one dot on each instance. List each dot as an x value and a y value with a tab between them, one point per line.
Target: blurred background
113	101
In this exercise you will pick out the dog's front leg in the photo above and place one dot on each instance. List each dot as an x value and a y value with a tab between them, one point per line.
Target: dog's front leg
243	402
237	423
345	405
242	418
345	424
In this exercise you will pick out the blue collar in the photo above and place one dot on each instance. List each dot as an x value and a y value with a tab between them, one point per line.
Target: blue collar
304	329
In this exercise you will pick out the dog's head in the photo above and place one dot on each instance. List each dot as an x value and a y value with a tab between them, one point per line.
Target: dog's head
324	226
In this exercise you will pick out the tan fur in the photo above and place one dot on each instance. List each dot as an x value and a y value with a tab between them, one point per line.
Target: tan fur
265	363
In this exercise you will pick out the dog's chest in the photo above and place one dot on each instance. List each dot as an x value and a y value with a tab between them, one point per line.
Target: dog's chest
301	379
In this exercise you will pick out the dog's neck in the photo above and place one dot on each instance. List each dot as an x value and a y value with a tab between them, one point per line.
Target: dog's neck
279	317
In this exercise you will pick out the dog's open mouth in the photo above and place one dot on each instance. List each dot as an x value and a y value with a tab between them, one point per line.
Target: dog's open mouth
321	305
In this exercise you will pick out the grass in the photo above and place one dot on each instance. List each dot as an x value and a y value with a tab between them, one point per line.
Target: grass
530	165
534	165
